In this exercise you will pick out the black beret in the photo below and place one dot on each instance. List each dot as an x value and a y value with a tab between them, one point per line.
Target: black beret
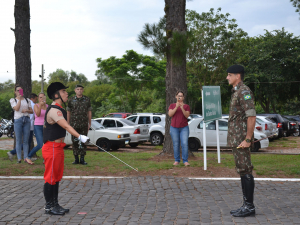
54	87
78	85
235	69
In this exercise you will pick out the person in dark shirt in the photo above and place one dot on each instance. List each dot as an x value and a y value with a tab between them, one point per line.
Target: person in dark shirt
54	132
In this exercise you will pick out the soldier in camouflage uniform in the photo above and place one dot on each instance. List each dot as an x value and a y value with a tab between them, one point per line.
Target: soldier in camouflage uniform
79	112
241	123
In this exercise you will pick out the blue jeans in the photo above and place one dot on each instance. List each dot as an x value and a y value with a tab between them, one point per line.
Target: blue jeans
180	135
38	131
22	130
13	152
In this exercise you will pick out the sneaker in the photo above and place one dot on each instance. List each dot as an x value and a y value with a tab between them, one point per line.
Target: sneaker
33	159
10	156
186	164
175	163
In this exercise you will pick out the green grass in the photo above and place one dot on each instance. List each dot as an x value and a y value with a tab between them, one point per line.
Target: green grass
286	142
100	163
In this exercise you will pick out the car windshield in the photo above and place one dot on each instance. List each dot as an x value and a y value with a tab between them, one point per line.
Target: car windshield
127	122
96	125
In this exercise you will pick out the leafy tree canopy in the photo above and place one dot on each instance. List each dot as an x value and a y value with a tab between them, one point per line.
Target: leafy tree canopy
131	74
272	64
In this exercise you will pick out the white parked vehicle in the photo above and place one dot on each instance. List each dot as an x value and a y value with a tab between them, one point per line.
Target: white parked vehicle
268	127
106	139
155	123
196	135
138	133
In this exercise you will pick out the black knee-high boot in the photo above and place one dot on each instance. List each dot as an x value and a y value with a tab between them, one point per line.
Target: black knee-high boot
249	208
243	189
82	160
49	207
55	199
76	160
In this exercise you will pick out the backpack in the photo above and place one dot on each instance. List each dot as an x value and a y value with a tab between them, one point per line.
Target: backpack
13	111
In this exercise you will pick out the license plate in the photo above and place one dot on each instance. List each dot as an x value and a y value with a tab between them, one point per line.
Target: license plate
126	142
145	130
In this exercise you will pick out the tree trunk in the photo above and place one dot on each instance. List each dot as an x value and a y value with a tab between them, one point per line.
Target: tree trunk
176	76
22	45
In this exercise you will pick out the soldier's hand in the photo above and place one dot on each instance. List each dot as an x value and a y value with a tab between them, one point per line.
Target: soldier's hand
244	144
83	138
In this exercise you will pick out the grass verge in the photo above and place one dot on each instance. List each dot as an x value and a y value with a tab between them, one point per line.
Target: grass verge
102	164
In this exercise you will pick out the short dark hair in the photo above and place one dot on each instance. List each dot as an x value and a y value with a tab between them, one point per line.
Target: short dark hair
179	92
32	95
242	75
53	95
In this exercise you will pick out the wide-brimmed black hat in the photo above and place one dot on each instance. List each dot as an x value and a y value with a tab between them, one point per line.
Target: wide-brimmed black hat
78	85
54	87
235	69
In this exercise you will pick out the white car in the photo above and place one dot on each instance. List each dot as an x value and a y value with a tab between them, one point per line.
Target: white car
138	133
106	139
155	123
196	135
268	127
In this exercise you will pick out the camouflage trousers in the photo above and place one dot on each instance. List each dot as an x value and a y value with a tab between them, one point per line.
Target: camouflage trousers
76	149
242	158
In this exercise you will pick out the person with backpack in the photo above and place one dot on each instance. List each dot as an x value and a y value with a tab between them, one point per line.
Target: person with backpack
22	110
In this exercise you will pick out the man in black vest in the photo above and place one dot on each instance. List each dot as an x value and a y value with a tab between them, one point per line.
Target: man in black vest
55	127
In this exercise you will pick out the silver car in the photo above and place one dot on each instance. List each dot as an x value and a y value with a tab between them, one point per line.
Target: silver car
138	133
268	127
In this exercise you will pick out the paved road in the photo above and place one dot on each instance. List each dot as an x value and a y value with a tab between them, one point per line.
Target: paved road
149	200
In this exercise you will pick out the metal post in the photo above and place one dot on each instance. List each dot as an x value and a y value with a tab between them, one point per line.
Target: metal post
204	136
42	75
218	141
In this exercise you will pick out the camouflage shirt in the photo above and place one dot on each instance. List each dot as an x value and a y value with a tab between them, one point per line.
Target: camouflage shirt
79	108
241	107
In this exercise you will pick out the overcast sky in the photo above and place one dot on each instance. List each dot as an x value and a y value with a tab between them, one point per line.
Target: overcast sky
72	34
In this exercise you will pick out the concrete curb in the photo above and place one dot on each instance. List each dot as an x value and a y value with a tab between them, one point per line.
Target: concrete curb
191	178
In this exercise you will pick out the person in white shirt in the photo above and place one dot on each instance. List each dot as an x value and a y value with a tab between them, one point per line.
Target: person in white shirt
33	100
22	110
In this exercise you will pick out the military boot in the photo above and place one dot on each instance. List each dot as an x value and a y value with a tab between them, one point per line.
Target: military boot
55	199
76	160
249	208
243	189
49	207
82	160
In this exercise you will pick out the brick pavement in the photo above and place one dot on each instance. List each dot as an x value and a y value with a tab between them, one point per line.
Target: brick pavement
149	200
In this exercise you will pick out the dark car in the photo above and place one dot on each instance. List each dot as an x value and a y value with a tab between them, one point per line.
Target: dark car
282	125
294	126
296	117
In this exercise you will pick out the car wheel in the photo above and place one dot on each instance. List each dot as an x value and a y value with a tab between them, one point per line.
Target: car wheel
1	134
284	134
256	147
193	144
133	145
296	134
104	144
156	138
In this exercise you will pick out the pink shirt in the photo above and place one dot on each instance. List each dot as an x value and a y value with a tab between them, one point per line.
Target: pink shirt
178	119
39	120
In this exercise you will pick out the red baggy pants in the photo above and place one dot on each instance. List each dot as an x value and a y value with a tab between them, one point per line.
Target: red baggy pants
53	154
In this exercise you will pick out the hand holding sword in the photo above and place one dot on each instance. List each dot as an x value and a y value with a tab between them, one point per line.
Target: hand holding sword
89	141
240	146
